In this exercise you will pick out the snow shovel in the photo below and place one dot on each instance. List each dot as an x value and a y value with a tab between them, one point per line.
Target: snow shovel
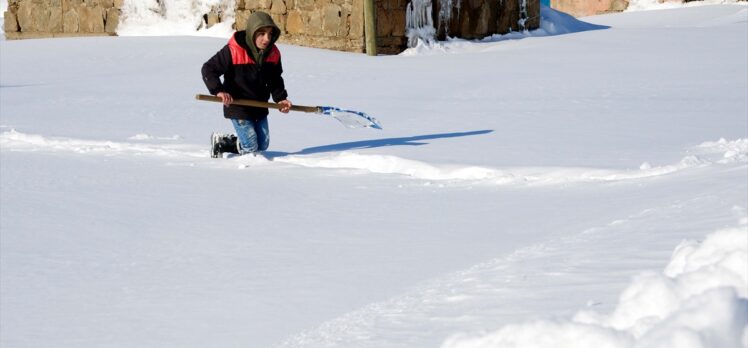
349	118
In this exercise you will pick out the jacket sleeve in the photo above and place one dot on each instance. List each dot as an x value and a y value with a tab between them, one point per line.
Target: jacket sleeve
214	68
276	86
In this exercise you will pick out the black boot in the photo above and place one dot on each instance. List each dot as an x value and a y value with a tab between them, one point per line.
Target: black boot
228	144
220	143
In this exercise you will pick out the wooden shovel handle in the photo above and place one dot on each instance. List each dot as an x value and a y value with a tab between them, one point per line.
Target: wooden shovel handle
259	104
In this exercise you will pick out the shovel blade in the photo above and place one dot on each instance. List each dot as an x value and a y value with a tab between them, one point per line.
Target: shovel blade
350	118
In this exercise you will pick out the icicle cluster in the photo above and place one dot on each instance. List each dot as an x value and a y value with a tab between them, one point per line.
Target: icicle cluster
418	22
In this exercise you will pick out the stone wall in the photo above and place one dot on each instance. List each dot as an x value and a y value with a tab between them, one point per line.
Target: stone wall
339	24
332	24
52	18
476	19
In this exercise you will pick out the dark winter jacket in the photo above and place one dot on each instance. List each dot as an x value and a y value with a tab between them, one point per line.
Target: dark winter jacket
247	73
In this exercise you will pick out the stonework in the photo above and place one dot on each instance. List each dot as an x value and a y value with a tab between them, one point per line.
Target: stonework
53	18
338	24
581	8
331	24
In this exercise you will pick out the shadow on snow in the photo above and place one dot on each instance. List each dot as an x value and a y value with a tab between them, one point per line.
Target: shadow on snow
373	143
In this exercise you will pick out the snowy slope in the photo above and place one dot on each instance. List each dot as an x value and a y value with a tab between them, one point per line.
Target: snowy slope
520	178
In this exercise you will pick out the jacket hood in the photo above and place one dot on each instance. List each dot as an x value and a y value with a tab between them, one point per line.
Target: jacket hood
256	21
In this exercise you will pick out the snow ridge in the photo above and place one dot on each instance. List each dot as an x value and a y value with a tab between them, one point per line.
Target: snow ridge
16	141
705	154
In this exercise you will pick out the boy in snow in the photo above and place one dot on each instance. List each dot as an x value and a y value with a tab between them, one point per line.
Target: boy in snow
251	68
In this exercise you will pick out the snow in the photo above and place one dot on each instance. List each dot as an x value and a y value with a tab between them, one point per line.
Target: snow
698	301
525	189
175	17
648	5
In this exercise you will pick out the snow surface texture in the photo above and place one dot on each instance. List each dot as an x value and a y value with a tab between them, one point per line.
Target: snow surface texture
520	185
646	5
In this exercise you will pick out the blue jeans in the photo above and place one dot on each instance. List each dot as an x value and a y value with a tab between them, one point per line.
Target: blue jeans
253	136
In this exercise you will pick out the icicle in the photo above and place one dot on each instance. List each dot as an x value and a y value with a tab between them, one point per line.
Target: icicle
418	22
522	15
445	14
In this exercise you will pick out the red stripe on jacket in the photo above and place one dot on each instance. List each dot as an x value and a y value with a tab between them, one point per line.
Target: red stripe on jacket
240	56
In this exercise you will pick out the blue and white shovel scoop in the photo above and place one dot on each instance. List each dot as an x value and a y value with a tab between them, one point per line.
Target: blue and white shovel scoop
349	118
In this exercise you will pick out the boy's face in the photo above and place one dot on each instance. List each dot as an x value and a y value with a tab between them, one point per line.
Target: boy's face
263	37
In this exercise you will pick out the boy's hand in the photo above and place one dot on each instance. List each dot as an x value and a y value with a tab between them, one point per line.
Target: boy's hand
226	98
285	106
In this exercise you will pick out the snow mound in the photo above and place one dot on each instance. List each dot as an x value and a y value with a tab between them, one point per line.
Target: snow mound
726	151
554	22
700	300
174	17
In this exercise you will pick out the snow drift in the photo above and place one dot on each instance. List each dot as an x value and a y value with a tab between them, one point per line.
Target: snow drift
699	301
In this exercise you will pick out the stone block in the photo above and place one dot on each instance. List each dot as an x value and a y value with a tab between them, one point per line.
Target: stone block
315	23
27	11
619	5
295	23
70	22
212	19
91	19
112	20
258	4
241	19
304	5
333	20
280	21
581	8
278	7
10	24
356	28
54	21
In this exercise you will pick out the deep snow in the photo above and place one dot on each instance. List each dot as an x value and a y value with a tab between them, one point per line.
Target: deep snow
525	189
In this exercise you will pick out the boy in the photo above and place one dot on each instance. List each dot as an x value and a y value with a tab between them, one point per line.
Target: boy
251	68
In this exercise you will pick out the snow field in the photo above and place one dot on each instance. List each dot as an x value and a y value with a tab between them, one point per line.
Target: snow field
524	190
